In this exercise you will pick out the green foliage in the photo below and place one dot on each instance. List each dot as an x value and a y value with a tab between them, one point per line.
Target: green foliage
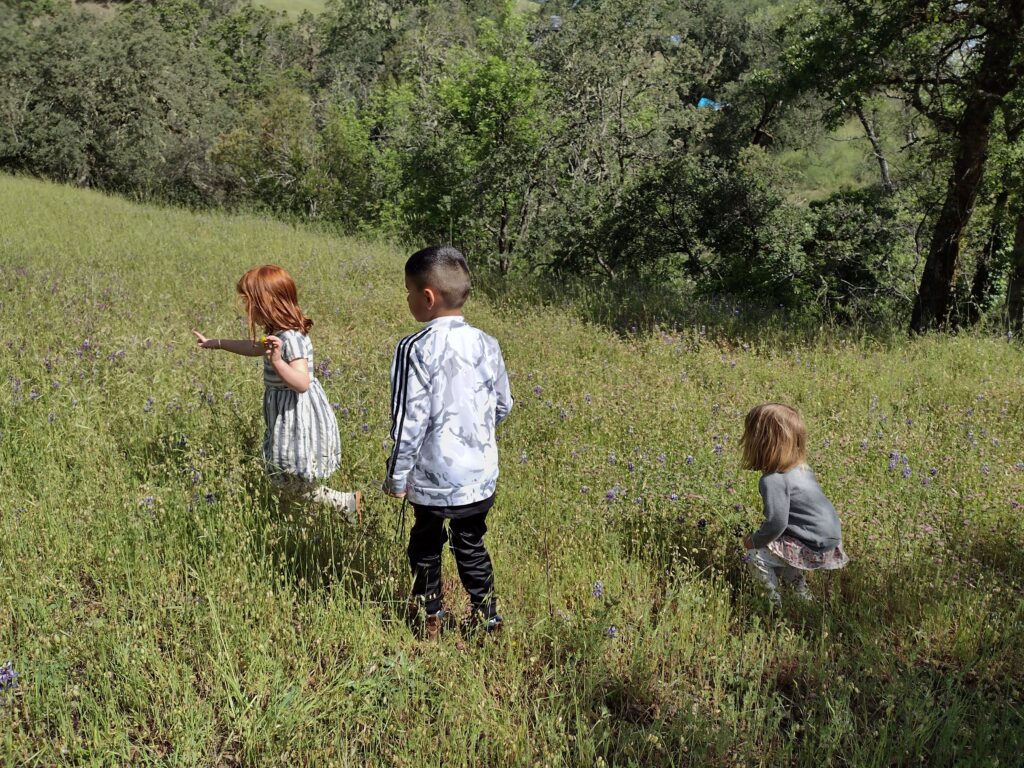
118	104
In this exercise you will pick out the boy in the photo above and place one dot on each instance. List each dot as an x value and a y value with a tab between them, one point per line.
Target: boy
449	391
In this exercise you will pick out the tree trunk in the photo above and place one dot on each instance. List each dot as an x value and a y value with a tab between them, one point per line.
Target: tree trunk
1015	287
876	146
995	79
982	286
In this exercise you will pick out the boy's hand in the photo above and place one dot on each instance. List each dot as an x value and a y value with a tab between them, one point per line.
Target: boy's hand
392	494
748	541
273	348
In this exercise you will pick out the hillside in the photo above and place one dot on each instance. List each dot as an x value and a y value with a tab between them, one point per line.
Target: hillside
160	610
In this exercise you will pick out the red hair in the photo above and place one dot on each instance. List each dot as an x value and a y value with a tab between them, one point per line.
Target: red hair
271	300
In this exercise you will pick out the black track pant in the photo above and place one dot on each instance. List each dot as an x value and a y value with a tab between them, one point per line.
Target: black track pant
467	526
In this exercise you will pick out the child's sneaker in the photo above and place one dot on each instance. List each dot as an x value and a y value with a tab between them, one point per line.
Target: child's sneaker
494	624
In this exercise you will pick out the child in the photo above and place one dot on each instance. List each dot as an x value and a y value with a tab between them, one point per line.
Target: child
450	391
801	531
301	446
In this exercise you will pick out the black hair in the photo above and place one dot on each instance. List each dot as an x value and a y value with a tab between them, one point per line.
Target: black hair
443	268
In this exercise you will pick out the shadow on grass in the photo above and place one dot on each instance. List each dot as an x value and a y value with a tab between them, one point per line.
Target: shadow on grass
314	549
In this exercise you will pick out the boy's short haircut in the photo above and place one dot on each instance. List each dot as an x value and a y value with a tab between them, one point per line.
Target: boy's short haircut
443	268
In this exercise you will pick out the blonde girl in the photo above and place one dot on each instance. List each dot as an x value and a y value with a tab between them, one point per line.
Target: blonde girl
801	530
301	445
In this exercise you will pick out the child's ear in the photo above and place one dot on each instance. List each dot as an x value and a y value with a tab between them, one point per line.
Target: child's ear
430	296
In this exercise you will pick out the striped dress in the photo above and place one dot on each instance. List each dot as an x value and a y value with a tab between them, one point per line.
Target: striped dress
301	438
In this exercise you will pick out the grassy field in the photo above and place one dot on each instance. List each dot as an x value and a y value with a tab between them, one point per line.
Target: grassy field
294	7
159	609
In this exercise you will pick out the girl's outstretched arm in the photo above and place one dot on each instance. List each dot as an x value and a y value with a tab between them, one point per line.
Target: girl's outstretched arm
245	347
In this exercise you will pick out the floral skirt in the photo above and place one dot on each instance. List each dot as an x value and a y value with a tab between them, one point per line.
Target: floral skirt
799	555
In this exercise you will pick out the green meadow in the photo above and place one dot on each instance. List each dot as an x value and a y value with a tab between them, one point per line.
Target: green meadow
159	608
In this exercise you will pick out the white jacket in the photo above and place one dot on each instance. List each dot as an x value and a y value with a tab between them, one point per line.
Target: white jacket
449	392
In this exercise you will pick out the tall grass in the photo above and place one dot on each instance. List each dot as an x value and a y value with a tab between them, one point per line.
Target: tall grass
160	609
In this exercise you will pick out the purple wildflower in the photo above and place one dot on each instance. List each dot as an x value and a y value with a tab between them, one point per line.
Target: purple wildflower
894	458
702	523
86	344
613	632
586	398
210	498
148	502
366	429
613	494
598	590
612	459
630	466
863	445
690	459
662	458
8	677
984	469
906	472
538	389
718	449
149	405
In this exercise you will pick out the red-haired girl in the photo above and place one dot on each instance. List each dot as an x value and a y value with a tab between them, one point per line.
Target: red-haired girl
301	446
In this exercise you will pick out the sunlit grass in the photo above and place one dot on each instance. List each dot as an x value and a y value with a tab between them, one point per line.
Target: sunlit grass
160	608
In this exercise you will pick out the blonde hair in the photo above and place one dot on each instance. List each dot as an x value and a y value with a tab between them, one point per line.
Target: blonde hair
774	438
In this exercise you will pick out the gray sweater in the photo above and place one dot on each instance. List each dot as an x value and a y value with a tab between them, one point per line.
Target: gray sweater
794	504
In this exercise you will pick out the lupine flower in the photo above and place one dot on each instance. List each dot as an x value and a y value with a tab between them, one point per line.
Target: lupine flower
210	498
673	497
366	429
611	459
745	557
538	389
613	632
863	445
149	405
826	443
630	467
86	344
1019	466
690	459
718	449
661	458
562	414
148	502
702	523
984	469
336	406
598	590
613	494
8	677
587	398
906	472
894	458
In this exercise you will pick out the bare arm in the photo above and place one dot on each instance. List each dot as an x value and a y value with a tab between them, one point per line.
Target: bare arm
245	347
295	373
